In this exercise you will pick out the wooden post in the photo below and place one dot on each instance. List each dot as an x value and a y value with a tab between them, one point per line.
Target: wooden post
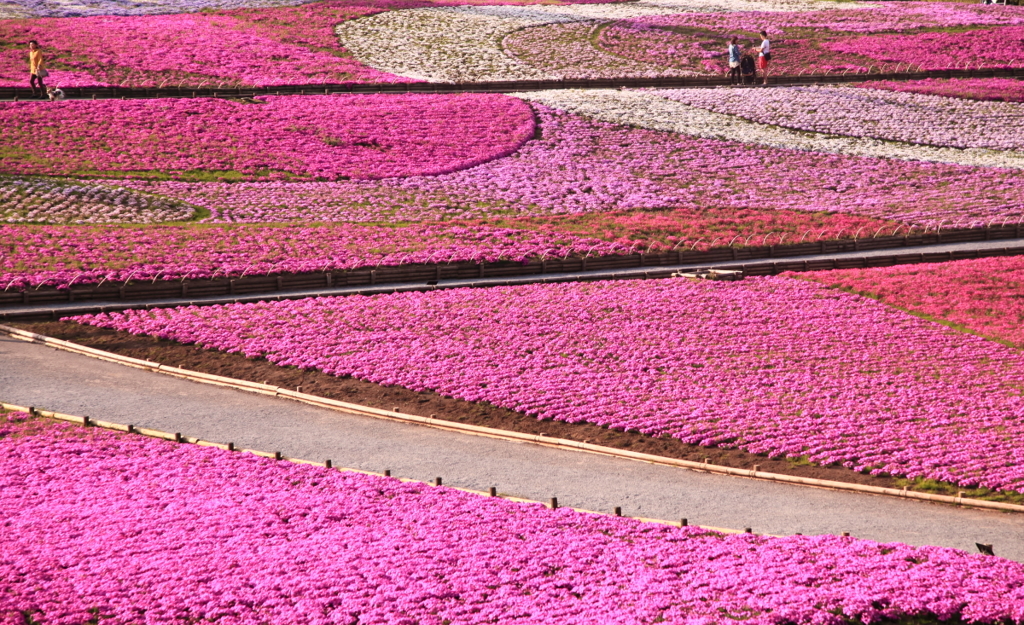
618	511
437	481
328	464
554	503
492	492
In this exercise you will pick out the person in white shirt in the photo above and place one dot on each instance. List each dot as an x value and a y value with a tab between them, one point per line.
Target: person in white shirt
765	56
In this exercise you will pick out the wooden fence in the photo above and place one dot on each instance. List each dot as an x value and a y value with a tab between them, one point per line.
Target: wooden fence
767	261
430	274
497	86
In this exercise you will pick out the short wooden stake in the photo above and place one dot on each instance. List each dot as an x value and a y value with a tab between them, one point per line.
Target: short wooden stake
747	530
177	437
846	534
31	411
684	522
277	455
492	492
757	468
328	463
131	428
231	446
298	389
437	481
396	409
85	421
554	503
707	461
618	511
387	472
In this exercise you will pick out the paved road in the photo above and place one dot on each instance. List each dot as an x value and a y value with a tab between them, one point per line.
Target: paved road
75	308
55	380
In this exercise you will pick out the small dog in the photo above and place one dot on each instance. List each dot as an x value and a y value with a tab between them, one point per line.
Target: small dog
55	93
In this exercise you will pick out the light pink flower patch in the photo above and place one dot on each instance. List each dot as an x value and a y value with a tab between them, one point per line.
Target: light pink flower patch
325	137
770	365
125	529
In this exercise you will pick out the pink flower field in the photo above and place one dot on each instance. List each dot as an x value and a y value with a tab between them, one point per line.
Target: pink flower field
144	530
999	89
575	166
983	296
326	137
830	40
581	166
241	47
65	256
770	365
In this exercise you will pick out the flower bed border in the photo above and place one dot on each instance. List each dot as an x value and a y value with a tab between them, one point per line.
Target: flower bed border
177	437
123	93
366	411
433	273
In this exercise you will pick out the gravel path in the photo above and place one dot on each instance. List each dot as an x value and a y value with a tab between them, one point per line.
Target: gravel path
47	378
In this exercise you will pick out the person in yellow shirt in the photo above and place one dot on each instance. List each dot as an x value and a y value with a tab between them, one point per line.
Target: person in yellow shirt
37	67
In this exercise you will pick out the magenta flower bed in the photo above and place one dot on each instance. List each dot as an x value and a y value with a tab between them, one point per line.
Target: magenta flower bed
139	529
580	166
999	47
171	50
64	257
748	365
982	296
999	89
329	137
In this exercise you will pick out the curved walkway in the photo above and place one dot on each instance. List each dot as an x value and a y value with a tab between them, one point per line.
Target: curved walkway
46	378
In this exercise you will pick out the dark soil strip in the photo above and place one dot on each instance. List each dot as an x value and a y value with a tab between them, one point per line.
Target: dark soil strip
424	404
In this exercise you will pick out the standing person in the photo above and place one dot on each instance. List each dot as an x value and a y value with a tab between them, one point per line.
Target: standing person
734	61
37	68
765	56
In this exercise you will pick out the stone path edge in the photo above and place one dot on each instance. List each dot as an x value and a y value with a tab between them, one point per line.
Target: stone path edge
178	438
558	443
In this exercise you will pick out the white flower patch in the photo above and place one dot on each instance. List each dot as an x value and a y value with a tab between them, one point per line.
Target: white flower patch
855	112
577	57
464	44
649	109
67	202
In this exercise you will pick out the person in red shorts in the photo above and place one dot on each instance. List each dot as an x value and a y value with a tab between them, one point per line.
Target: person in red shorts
765	56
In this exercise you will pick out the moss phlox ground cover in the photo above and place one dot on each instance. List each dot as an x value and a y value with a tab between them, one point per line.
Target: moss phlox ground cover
982	295
325	137
769	365
999	89
66	257
146	530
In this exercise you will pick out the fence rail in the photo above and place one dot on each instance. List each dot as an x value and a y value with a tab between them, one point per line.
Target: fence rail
10	93
415	277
